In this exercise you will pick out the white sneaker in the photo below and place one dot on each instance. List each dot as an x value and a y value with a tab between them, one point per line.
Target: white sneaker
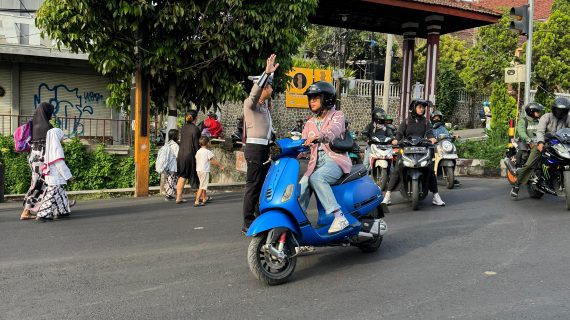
437	200
338	224
387	201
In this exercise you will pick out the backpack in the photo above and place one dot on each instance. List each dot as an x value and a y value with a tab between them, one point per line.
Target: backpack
22	137
163	159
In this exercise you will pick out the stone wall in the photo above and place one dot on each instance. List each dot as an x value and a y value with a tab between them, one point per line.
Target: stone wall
356	110
466	113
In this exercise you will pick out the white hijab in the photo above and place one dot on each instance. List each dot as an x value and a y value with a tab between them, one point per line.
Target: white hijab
54	150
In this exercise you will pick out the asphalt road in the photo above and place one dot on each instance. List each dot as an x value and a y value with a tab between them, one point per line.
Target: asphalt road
483	256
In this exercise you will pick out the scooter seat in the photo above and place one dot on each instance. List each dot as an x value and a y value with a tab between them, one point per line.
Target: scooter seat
358	171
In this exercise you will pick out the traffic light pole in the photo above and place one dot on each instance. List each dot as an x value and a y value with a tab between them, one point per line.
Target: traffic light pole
529	52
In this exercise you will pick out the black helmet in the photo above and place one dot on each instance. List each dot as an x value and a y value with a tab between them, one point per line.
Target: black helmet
533	107
414	103
437	113
324	89
560	107
378	115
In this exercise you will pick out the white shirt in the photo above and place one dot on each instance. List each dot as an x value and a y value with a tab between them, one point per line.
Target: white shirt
58	174
203	157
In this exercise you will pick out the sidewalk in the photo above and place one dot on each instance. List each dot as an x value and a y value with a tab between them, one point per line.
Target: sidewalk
470	134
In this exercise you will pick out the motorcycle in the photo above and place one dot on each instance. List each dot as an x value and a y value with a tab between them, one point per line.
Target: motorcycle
416	157
516	155
445	158
381	159
283	226
553	174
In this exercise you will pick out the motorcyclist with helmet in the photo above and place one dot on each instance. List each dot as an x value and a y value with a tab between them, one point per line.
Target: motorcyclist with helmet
415	126
377	127
440	129
526	130
549	123
325	166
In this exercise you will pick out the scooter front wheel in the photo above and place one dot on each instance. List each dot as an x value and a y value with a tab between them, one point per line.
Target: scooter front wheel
267	267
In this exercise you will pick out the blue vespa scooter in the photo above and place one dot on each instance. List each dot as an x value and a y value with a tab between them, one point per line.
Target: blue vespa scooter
283	226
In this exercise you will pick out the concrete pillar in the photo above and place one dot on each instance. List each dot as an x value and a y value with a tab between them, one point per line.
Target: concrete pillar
433	29
410	31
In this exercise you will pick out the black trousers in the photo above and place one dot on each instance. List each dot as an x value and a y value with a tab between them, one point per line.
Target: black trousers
255	155
395	178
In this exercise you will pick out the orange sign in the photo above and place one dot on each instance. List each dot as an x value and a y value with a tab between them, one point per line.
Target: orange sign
302	78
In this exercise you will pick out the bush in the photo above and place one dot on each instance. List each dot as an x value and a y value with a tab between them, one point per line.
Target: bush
91	170
503	107
492	149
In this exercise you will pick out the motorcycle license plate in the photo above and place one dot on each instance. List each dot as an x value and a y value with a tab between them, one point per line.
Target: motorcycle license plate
415	149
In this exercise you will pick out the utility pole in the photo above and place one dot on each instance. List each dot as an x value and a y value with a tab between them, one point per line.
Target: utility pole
372	71
142	124
387	72
523	23
529	52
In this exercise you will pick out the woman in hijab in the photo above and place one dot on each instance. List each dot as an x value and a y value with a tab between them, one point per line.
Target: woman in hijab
54	203
189	145
40	127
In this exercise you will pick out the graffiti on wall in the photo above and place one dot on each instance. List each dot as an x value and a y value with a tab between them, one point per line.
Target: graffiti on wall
71	107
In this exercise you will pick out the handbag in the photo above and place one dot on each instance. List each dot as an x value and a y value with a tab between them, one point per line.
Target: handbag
342	144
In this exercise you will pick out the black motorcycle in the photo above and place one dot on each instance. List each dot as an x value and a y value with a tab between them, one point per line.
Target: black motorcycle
553	174
416	158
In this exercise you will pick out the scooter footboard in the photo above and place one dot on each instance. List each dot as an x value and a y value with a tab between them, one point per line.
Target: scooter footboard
270	220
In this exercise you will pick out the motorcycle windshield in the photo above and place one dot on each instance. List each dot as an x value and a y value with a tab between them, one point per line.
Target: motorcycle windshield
563	135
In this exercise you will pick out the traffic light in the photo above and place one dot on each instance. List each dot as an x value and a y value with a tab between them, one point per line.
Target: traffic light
520	19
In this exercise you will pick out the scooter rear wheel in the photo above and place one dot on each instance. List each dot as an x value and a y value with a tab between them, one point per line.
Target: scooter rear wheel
265	266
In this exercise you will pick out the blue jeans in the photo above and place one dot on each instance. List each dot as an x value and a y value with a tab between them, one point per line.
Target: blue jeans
326	173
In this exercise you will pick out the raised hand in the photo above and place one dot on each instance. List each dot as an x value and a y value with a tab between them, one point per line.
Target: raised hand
271	66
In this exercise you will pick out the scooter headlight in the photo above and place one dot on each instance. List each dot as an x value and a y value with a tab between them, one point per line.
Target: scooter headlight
408	162
288	193
447	146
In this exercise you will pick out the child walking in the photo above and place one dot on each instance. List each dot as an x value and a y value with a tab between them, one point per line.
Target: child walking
203	159
171	168
54	204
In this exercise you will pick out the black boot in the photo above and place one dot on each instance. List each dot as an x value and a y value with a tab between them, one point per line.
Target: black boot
515	190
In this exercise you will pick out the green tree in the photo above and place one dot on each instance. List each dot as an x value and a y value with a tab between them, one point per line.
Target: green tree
486	60
204	48
503	107
551	53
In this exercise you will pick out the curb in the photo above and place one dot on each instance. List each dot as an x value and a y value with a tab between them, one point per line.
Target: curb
236	186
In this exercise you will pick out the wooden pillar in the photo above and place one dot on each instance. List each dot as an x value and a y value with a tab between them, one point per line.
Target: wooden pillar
142	134
433	29
410	31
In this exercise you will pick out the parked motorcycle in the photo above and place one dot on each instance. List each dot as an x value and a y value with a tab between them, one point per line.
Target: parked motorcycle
381	159
283	226
416	158
445	158
553	174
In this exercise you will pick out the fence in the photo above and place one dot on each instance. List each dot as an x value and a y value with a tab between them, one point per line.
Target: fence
107	131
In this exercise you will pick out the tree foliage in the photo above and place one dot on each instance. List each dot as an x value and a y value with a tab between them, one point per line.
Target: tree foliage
486	60
503	107
209	47
333	46
551	53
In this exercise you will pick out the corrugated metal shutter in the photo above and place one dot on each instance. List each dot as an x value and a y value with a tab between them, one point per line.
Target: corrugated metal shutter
79	100
5	101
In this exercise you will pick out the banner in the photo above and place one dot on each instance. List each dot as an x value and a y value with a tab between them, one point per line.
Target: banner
302	78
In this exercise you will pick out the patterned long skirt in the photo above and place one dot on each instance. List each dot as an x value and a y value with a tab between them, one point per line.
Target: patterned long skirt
170	185
38	185
54	203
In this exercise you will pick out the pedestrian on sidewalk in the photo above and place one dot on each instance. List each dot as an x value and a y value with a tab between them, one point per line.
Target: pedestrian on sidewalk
54	203
204	157
40	127
189	145
258	130
166	163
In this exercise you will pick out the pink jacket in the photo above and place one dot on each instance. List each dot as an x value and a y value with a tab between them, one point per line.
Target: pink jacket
333	127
